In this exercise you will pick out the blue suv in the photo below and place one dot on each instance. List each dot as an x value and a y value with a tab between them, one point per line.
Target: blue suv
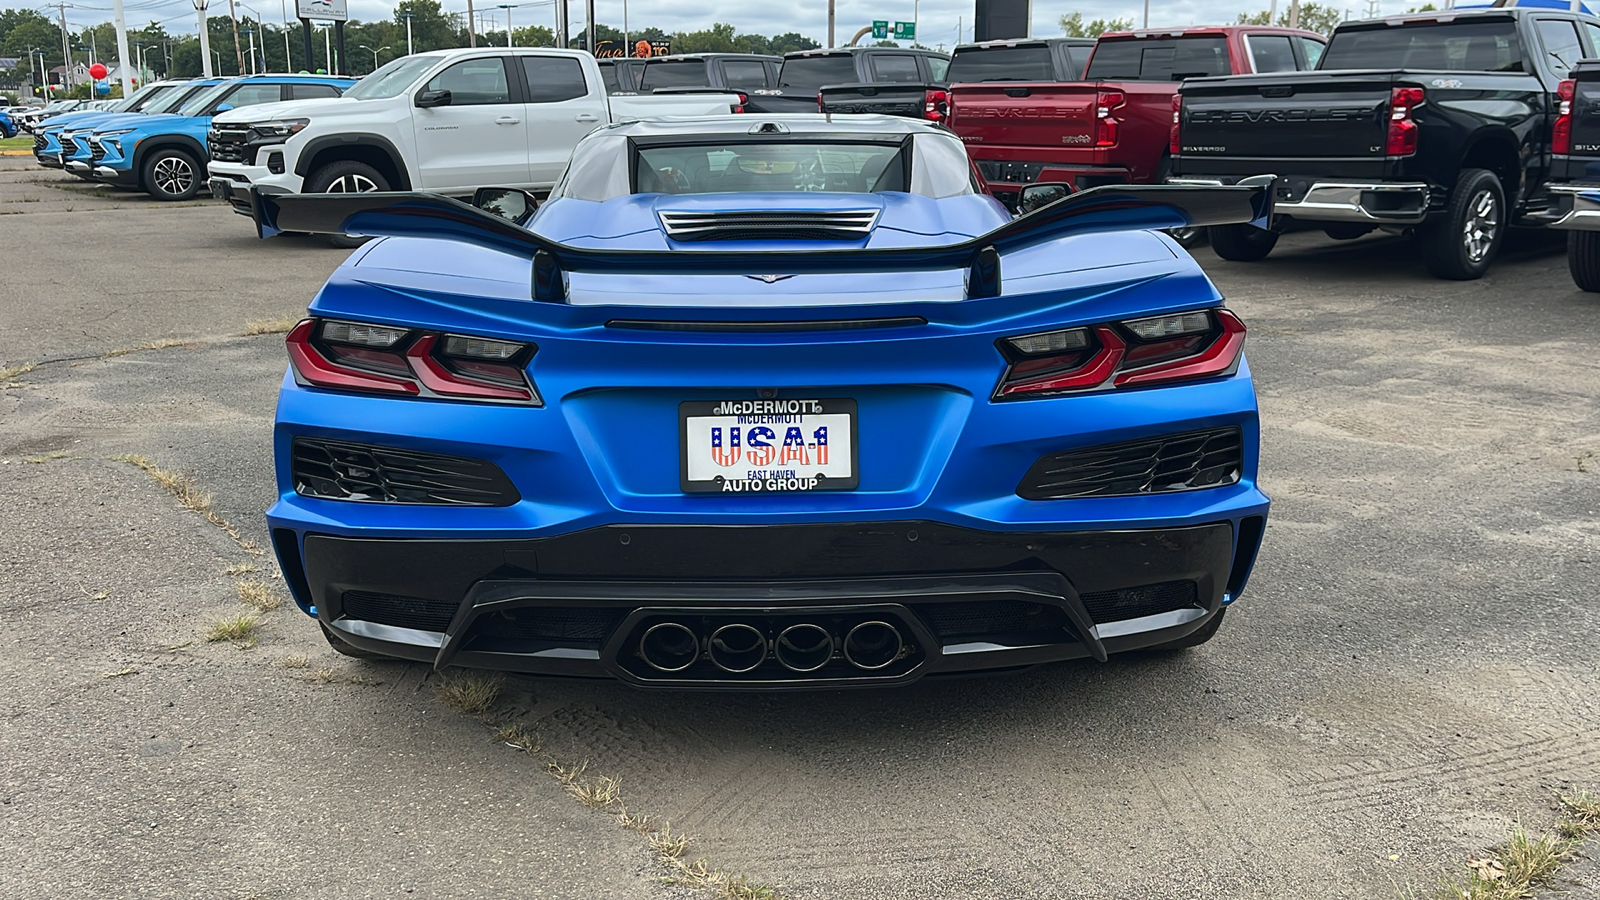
63	143
165	155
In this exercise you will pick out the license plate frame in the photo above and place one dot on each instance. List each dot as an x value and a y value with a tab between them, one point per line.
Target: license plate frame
777	416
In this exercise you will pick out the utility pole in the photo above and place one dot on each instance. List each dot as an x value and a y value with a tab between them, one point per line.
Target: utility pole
238	53
589	18
1294	13
205	37
472	29
564	24
1147	14
66	47
830	24
288	58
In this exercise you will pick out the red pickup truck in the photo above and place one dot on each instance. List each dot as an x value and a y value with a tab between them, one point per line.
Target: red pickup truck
1114	126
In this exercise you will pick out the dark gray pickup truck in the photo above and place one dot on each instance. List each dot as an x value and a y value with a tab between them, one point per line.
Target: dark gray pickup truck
1437	124
873	80
1575	171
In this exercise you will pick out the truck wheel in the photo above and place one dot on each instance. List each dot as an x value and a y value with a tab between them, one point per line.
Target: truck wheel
171	174
346	177
1583	259
1195	639
1464	241
1242	243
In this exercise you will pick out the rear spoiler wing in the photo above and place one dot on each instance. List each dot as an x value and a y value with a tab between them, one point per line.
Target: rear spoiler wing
1132	207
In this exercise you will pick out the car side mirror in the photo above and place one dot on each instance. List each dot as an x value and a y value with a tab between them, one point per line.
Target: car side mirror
224	107
429	99
1038	196
507	203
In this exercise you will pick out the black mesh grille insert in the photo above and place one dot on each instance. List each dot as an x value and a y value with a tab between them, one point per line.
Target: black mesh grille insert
401	612
40	142
992	617
1174	462
387	475
566	626
1131	603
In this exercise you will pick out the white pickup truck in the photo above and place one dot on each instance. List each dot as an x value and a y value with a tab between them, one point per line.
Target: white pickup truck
449	121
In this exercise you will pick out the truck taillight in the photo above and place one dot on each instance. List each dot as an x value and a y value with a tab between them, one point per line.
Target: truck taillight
1402	128
935	105
1173	144
819	102
743	99
1105	126
1561	133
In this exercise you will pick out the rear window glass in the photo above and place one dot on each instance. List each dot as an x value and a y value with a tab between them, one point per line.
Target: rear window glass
977	65
679	73
811	73
771	166
896	67
1453	46
1164	59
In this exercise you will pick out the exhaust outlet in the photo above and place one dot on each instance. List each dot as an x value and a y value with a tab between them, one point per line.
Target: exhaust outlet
872	645
669	647
737	648
804	648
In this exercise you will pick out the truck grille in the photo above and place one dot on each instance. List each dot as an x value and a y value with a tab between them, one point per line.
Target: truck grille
1174	462
343	471
228	144
846	225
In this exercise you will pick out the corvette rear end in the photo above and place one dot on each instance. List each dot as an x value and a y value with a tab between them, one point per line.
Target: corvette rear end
728	450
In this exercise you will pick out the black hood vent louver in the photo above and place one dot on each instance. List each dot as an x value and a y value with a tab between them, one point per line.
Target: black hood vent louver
749	225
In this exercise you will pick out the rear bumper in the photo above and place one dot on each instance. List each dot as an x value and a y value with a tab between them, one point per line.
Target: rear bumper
962	599
1323	200
1577	205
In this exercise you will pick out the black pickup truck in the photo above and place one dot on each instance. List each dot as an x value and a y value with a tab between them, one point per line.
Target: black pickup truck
1575	171
854	80
1437	123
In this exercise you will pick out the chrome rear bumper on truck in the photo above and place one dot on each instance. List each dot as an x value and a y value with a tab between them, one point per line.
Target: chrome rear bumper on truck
1373	203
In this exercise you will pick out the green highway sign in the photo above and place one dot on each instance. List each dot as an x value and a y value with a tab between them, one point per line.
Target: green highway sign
880	29
905	31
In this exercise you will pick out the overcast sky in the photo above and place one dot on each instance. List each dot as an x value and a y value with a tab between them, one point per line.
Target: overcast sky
937	19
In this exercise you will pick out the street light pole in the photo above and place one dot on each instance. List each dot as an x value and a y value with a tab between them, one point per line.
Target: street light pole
508	8
205	38
407	17
122	47
288	59
375	54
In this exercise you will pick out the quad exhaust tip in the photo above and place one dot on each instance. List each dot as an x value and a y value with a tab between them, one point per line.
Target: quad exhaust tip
737	648
873	645
669	647
804	648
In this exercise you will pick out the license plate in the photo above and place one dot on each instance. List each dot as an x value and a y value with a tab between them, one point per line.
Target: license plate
219	189
767	446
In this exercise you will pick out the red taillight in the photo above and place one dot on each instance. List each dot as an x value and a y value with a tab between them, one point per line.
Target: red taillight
1561	133
819	102
350	356
1105	125
1402	129
1174	146
743	99
1135	353
935	105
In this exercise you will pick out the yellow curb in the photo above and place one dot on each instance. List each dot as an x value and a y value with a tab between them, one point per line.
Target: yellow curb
16	152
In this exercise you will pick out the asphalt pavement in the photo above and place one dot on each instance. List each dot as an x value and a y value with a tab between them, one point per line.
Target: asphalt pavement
1411	671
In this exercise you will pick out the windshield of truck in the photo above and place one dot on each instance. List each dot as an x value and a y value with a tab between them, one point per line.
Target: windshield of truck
392	78
676	73
973	65
809	74
1460	46
1159	59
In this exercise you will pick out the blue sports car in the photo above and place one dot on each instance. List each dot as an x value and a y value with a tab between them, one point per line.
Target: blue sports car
766	403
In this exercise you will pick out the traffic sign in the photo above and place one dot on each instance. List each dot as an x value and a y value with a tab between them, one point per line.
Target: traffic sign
880	29
905	31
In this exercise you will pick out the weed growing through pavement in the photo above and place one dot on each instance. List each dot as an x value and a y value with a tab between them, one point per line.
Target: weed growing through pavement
1512	870
191	496
516	735
256	594
162	344
37	460
1583	459
240	630
473	693
246	568
294	662
129	670
271	326
12	373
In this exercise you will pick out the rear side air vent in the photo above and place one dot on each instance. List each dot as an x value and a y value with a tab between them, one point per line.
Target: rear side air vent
343	471
1175	462
830	225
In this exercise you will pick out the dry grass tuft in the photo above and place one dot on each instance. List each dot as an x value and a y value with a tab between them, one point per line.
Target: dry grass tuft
1581	810
191	496
127	670
241	630
36	460
271	326
12	373
245	568
518	736
258	595
473	693
295	662
162	344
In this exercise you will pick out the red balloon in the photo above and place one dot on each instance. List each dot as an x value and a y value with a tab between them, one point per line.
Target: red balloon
97	71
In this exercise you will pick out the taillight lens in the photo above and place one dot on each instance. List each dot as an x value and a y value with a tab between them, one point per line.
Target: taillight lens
819	101
743	99
1174	145
935	105
1561	133
357	356
1132	353
1105	124
1402	128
